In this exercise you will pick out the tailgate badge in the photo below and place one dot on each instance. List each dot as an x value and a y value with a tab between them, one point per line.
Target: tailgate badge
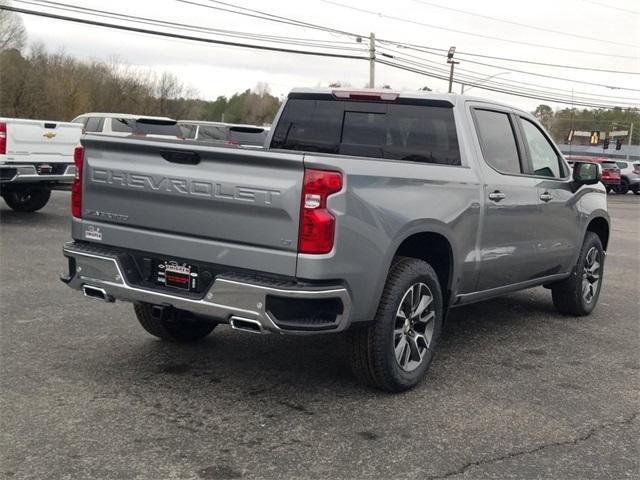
49	135
93	233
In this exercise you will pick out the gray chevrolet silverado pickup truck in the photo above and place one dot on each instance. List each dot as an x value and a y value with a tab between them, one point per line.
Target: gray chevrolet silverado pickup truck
369	212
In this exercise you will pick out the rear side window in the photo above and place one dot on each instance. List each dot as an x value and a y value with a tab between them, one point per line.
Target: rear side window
622	165
122	125
420	133
94	124
497	141
610	165
188	130
212	132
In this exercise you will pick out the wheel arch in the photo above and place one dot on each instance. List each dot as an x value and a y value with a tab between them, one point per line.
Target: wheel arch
600	226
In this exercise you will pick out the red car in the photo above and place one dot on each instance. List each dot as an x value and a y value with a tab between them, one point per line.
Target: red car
610	169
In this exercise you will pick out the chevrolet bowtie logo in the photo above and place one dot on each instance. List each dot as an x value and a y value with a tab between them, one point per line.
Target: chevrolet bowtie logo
49	135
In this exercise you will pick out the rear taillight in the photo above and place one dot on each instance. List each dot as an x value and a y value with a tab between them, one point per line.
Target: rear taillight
317	224
76	188
3	138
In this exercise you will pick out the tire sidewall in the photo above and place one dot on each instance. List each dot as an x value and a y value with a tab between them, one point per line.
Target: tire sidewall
592	240
419	272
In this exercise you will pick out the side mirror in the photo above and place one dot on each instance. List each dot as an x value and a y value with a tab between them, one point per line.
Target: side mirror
586	173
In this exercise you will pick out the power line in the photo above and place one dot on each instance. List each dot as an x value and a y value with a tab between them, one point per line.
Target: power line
511	89
516	60
489	88
524	25
269	17
320	43
178	36
517	82
490	37
527	72
612	7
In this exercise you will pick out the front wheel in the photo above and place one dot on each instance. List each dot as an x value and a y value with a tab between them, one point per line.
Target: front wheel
26	198
395	350
578	294
636	189
176	326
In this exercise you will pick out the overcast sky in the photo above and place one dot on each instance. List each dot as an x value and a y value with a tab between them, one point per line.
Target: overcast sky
217	70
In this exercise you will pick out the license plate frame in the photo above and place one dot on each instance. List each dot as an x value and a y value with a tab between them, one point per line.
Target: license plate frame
178	275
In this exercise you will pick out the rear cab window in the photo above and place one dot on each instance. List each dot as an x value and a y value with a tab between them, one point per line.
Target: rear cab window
407	129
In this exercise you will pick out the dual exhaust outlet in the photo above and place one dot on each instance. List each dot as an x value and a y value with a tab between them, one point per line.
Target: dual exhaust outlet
237	323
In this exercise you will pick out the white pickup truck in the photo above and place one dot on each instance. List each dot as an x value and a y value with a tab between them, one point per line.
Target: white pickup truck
35	157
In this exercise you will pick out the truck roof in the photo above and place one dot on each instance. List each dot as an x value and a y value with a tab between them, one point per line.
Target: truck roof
123	115
453	98
224	124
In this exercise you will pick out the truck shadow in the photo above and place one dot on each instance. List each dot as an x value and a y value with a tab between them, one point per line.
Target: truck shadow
288	366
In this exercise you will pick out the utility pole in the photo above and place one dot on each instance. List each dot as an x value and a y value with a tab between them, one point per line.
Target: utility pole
372	60
451	62
630	135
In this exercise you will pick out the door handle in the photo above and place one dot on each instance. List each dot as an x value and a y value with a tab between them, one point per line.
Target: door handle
546	197
497	196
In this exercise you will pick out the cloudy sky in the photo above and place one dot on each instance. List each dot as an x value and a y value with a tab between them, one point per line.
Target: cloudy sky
598	34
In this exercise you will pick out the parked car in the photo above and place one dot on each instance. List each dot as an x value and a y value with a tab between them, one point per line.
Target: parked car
372	212
610	171
35	156
629	177
124	124
228	133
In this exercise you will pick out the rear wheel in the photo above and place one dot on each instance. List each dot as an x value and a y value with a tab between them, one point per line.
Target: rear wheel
174	325
26	198
394	352
578	294
636	189
623	188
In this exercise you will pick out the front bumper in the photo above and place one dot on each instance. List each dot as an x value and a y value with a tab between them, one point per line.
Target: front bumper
232	298
33	173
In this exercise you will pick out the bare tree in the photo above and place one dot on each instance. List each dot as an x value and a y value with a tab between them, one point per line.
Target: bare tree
12	31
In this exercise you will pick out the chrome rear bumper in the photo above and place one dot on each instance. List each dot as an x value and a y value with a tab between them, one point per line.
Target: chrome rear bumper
29	174
230	299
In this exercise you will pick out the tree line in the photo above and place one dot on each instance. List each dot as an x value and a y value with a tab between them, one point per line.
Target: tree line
560	122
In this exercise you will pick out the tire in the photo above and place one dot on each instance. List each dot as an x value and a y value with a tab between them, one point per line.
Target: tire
578	295
177	326
27	198
385	354
608	188
636	189
623	188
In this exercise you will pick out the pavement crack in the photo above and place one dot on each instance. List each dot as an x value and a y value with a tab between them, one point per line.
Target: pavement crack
574	441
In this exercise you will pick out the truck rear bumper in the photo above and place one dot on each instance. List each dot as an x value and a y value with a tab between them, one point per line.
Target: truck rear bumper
248	303
35	173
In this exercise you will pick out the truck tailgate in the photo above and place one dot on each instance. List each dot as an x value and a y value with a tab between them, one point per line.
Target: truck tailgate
41	141
229	196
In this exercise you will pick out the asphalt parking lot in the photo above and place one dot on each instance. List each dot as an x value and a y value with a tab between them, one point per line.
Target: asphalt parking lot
517	391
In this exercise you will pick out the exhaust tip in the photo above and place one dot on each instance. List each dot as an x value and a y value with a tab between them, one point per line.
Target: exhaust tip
97	293
246	325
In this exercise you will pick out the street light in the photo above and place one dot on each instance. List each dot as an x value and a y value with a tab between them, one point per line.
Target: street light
482	81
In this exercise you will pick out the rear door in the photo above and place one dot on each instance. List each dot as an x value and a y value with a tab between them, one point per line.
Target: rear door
508	250
36	141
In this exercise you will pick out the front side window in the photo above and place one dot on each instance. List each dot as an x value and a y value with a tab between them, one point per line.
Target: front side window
409	132
497	140
544	159
188	130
